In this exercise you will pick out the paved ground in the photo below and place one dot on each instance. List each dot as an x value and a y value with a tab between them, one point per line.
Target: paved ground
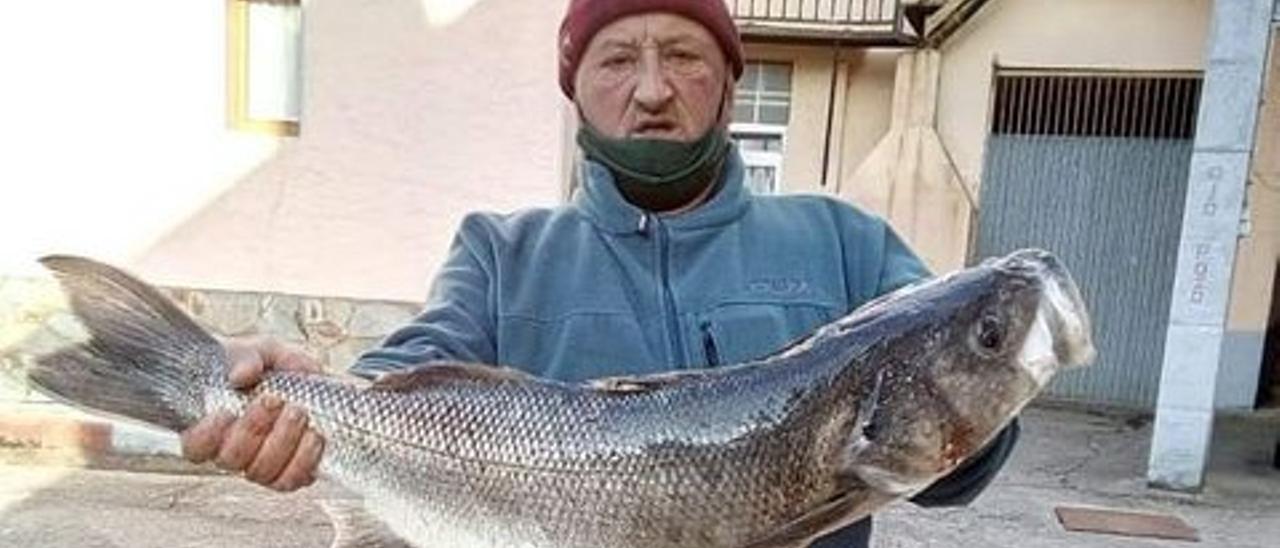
1066	457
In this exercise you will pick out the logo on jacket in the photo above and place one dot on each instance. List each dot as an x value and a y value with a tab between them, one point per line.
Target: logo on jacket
777	286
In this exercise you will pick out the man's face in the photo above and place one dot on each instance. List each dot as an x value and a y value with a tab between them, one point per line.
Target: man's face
653	75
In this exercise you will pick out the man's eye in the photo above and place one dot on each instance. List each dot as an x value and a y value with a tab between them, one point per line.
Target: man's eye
682	56
617	61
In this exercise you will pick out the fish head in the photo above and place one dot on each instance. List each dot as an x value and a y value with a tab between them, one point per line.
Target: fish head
1022	312
959	357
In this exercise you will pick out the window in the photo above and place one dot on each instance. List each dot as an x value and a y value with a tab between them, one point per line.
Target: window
761	148
761	111
264	65
763	95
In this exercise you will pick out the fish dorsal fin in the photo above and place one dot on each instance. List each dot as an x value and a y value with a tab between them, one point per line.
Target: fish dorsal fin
355	527
428	376
827	517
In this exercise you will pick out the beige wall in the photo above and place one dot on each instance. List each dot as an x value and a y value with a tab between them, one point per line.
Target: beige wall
868	107
1111	34
411	117
1259	251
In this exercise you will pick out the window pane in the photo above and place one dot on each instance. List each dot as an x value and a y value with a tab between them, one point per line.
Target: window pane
750	76
772	114
764	94
750	143
776	77
762	179
274	64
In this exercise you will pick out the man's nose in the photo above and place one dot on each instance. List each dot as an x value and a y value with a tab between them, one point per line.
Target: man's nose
653	90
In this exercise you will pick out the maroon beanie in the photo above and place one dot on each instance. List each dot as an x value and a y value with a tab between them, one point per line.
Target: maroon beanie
586	17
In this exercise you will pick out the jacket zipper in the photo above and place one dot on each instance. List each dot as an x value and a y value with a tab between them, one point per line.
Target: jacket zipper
709	345
668	299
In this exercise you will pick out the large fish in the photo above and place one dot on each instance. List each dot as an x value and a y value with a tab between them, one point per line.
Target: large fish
869	409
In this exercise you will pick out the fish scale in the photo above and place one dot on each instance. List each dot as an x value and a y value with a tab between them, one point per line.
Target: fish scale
867	410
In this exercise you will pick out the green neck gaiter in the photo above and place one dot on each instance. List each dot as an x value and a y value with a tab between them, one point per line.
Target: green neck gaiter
658	174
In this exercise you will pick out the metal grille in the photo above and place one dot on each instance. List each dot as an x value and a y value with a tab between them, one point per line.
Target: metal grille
1099	106
1094	168
827	12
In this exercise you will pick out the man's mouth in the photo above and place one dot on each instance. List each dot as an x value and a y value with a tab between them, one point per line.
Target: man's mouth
656	128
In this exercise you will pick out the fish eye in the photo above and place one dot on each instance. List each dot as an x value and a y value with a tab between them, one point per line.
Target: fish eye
988	333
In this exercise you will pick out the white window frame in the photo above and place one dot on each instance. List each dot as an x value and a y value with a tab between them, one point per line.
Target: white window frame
244	113
763	158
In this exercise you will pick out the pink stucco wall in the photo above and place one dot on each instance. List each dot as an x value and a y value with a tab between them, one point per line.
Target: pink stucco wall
414	113
406	127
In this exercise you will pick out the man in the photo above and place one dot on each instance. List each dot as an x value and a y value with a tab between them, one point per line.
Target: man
662	261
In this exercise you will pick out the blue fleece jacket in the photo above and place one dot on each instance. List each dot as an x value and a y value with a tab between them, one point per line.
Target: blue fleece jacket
599	287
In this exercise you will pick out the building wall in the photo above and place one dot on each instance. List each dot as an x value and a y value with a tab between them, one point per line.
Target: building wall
868	108
411	117
864	94
1080	34
1141	35
1108	35
1258	252
806	130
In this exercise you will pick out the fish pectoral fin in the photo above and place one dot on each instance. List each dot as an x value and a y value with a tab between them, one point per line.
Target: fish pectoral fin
436	374
355	527
831	515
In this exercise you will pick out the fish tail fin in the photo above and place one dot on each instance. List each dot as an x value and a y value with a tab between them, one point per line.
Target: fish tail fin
145	359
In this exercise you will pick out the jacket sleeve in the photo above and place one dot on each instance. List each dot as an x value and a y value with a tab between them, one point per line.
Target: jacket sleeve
876	260
899	265
966	482
456	324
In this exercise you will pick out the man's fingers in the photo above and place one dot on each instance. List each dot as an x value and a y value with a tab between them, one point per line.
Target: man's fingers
301	470
201	442
282	356
279	446
247	363
246	435
251	358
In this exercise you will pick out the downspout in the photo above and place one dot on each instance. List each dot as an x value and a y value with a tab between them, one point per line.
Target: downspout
831	113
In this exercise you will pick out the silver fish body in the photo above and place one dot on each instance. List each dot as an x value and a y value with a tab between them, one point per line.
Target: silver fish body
869	409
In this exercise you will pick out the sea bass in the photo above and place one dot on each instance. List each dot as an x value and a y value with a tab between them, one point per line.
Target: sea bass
868	409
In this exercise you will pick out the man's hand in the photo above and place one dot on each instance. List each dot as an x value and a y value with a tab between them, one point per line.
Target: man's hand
270	443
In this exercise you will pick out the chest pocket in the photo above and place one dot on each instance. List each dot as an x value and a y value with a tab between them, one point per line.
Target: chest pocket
742	331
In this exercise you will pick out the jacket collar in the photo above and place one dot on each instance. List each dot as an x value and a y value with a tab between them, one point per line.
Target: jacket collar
599	199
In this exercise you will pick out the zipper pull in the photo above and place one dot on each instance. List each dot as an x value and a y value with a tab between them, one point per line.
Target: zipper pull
709	345
643	226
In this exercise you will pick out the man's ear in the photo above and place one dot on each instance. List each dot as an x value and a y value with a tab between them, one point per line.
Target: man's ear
726	102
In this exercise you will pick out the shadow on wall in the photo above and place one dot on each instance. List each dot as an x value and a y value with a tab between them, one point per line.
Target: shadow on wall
1269	385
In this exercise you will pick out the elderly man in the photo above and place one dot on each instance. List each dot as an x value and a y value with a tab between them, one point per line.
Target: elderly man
662	261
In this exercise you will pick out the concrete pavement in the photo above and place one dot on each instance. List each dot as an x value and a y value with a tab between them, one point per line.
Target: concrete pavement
1065	457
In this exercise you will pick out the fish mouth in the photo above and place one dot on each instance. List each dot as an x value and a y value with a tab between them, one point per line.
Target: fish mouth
1060	336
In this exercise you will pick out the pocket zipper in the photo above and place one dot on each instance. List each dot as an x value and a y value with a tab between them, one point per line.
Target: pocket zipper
709	345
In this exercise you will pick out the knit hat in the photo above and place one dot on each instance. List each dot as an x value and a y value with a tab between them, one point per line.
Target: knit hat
586	17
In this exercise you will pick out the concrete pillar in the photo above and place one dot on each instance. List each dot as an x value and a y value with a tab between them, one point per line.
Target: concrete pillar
1236	57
